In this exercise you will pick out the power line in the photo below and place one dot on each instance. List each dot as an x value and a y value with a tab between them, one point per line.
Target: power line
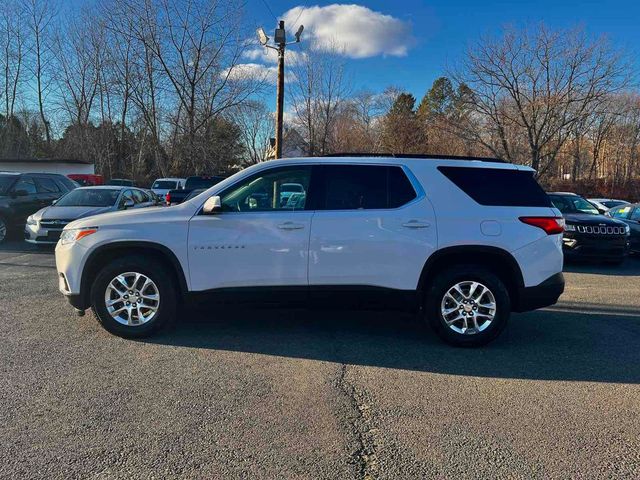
270	11
302	9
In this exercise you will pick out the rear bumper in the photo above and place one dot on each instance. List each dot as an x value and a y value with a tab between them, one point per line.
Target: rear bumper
542	295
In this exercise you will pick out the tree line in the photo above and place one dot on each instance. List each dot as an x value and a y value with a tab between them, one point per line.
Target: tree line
160	87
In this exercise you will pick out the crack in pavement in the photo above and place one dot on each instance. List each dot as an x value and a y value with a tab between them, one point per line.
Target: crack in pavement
360	422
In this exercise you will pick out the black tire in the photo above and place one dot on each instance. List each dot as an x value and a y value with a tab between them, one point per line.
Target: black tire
446	280
156	272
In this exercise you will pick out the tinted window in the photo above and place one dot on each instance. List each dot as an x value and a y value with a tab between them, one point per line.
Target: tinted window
46	185
26	184
400	189
364	187
264	192
498	187
635	215
98	197
613	203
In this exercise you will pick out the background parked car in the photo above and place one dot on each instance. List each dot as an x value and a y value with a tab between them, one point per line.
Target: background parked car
125	182
194	193
86	179
162	186
22	194
175	197
45	226
629	214
604	204
588	234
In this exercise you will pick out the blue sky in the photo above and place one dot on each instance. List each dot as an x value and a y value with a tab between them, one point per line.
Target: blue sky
422	37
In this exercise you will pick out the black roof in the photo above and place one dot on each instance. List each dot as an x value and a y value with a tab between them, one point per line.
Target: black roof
418	156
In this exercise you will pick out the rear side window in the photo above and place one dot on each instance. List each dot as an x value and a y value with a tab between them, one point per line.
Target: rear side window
364	187
498	187
46	185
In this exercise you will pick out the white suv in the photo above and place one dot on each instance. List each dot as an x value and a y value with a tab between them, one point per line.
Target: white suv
463	241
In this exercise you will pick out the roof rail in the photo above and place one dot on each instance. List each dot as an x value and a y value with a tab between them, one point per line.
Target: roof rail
417	156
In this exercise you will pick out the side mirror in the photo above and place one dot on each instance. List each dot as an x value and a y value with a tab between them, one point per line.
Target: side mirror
54	202
603	211
212	206
128	203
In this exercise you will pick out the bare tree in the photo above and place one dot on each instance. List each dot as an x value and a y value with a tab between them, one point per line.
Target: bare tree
256	124
535	84
12	43
317	91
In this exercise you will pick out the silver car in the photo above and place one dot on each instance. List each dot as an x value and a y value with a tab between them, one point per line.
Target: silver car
45	226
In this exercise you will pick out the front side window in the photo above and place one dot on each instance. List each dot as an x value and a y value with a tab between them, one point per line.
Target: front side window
270	190
635	215
127	195
5	183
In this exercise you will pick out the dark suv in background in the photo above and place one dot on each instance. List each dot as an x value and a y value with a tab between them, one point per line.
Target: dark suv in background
588	234
629	214
22	194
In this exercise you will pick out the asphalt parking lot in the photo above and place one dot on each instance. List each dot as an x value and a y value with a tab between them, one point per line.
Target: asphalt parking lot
324	394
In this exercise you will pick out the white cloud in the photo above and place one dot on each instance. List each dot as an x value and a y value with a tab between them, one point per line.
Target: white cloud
356	30
253	71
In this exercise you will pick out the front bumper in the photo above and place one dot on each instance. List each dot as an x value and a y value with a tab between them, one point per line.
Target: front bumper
594	247
539	296
39	235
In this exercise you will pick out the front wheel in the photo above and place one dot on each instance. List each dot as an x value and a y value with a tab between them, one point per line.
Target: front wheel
133	298
467	306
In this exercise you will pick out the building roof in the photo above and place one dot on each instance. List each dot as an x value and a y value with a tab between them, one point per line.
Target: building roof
46	160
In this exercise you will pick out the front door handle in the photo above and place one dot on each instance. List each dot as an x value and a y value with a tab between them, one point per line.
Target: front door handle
290	226
416	224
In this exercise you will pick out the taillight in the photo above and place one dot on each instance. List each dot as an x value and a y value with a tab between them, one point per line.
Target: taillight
551	225
167	198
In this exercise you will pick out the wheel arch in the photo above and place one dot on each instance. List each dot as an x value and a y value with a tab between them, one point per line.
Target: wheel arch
495	259
101	255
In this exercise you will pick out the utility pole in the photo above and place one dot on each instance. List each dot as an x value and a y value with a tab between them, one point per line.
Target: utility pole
280	40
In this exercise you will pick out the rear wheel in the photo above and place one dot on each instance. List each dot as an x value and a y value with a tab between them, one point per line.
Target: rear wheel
133	298
467	306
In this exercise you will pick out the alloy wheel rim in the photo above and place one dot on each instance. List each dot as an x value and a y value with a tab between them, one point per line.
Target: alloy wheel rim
468	307
132	299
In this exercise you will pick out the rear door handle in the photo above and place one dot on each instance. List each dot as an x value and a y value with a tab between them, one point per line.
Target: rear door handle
416	224
290	226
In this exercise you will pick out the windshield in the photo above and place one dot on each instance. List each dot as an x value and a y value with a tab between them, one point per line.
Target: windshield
164	184
103	197
573	204
5	183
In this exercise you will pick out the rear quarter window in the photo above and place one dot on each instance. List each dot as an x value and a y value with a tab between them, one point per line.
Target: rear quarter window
498	187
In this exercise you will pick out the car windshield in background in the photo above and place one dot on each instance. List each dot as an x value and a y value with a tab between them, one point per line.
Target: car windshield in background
103	197
164	184
5	183
573	204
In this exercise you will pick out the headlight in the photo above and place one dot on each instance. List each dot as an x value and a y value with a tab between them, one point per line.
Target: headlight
569	228
31	220
75	234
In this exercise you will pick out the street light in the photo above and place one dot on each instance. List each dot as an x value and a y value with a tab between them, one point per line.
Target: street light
280	43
